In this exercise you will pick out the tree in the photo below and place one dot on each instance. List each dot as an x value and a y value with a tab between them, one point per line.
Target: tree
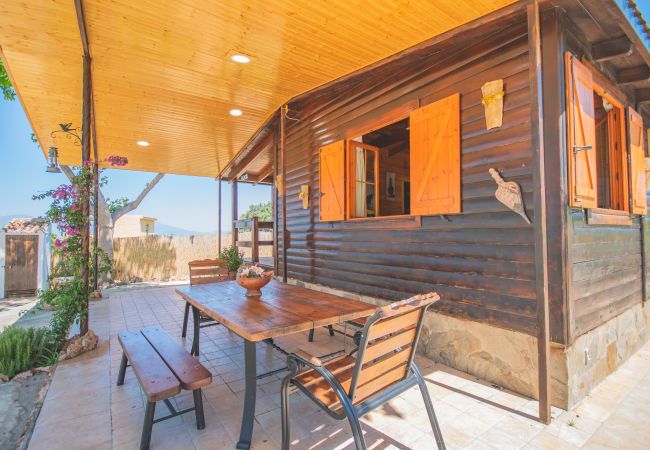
7	89
110	211
264	211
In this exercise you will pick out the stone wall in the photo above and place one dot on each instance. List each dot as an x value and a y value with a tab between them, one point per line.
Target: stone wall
509	358
596	354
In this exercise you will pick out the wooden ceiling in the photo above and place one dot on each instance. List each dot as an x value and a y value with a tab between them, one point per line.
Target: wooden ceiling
162	73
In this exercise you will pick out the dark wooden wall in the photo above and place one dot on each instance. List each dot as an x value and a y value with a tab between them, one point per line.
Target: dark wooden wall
604	263
481	261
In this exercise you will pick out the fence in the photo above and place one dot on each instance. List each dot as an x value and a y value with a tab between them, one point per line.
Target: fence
165	258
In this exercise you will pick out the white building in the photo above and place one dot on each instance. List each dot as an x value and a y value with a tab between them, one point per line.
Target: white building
133	225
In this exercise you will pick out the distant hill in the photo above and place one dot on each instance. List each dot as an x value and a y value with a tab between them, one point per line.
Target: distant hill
167	230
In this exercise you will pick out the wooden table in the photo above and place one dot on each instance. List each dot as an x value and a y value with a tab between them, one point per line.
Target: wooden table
283	309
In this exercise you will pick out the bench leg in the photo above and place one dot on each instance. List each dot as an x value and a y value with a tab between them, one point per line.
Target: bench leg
198	409
331	328
187	313
120	375
145	440
311	335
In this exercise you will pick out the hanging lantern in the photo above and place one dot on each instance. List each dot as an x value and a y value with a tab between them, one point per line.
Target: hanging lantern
53	161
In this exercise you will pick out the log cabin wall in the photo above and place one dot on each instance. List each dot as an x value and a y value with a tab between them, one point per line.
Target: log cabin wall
604	262
482	261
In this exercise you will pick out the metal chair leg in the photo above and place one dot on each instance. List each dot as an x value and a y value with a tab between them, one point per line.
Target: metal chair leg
429	407
187	313
284	400
311	335
355	425
122	372
198	409
145	440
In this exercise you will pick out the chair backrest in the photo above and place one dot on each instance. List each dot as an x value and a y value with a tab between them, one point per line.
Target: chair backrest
388	345
205	271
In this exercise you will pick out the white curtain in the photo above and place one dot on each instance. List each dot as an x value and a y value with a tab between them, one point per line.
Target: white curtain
360	200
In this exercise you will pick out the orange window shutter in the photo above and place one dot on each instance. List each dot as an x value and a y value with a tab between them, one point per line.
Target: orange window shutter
332	182
435	157
581	132
637	162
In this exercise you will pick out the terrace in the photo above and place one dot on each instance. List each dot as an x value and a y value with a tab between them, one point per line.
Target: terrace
85	409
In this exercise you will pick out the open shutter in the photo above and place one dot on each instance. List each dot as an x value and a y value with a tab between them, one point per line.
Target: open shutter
582	135
332	182
637	162
435	157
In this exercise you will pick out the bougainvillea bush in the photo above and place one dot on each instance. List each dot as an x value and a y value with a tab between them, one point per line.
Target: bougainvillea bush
65	214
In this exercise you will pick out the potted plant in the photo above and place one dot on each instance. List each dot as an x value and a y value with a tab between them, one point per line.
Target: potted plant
234	259
253	278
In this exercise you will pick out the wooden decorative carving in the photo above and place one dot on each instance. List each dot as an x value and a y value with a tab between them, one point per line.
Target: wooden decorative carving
304	195
509	193
493	103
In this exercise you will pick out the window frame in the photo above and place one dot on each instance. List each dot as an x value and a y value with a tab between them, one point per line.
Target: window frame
603	87
352	179
393	116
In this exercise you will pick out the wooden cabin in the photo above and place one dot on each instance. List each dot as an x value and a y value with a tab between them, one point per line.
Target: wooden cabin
382	189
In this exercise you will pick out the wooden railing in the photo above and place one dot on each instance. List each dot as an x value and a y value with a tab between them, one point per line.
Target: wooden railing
254	225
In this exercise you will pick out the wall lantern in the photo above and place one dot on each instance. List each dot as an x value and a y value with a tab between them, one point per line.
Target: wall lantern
53	161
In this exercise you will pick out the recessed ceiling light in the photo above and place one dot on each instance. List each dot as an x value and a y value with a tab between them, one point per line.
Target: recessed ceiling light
236	112
143	143
240	58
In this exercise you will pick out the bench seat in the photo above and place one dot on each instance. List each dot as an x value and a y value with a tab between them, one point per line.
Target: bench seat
163	368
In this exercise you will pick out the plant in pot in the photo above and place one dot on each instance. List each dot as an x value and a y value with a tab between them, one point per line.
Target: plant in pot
234	259
253	278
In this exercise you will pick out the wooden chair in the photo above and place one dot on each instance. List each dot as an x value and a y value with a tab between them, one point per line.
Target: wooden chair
351	386
205	271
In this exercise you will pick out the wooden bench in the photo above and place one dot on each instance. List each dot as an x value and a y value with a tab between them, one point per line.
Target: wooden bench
163	367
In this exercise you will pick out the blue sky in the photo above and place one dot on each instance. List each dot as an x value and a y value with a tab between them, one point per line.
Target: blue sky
181	201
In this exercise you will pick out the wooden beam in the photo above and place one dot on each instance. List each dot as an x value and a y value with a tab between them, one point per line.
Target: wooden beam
642	95
612	49
274	189
541	239
283	152
632	75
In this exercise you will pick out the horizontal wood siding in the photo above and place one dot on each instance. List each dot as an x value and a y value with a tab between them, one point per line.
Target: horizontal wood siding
481	262
606	271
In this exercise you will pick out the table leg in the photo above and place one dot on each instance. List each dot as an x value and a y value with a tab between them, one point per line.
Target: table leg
197	329
246	432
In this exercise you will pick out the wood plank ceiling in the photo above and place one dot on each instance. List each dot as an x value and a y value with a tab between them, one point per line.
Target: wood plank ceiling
162	73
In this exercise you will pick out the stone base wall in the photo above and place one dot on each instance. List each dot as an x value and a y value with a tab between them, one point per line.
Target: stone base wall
509	358
597	353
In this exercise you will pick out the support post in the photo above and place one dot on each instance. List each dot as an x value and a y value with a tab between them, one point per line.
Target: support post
274	192
96	294
284	191
255	246
541	241
219	216
235	215
85	197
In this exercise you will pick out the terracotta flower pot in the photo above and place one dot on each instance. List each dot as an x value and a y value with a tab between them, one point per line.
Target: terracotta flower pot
253	286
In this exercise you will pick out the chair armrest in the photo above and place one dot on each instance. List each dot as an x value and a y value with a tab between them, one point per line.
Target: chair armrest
308	358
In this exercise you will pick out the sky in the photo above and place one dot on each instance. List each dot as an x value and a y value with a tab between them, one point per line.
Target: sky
181	201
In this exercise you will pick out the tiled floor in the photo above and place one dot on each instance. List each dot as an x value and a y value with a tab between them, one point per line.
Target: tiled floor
84	409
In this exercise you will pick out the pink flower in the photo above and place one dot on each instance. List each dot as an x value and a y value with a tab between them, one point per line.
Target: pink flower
58	244
119	161
74	207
